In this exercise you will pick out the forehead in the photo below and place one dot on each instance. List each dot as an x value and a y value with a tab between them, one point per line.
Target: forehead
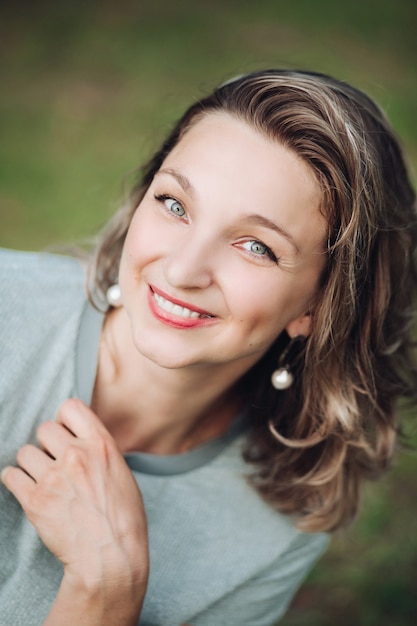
216	138
232	164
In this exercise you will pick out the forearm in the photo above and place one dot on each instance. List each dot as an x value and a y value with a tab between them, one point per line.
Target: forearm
111	600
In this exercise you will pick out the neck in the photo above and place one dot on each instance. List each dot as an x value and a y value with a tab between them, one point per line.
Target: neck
154	409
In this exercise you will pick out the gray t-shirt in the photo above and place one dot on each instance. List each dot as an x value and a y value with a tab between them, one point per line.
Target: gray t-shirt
219	554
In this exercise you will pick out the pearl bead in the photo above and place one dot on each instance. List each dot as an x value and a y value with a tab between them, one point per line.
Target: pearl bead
282	378
113	296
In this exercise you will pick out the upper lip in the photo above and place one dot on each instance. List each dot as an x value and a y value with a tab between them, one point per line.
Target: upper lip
186	305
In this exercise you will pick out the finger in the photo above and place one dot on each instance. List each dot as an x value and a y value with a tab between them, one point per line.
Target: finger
80	419
18	483
54	438
34	462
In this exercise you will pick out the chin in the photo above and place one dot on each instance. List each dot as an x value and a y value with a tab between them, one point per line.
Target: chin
163	354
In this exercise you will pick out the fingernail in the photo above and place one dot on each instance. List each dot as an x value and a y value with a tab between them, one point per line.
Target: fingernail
3	473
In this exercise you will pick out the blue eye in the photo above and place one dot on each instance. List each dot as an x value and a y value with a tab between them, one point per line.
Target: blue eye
259	249
175	207
256	247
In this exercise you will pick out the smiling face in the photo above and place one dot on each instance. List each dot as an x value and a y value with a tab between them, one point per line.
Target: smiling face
225	251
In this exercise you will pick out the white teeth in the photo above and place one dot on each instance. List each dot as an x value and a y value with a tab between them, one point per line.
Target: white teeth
175	309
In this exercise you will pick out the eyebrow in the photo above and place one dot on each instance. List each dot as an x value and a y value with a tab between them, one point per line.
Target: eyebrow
252	218
260	220
181	180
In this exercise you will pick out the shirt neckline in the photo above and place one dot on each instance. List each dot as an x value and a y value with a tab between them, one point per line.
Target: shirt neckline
87	348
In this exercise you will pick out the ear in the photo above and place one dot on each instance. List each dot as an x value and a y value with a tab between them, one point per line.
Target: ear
300	326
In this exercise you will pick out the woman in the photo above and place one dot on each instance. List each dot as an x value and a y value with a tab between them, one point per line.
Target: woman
240	385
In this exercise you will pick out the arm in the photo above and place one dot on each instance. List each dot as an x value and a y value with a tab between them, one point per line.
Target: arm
84	502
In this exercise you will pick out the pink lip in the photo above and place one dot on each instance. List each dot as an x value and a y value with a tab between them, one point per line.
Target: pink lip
177	321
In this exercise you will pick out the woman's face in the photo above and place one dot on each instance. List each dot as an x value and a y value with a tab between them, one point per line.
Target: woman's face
225	250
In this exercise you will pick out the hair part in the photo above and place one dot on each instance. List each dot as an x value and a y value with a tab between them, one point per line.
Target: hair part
337	425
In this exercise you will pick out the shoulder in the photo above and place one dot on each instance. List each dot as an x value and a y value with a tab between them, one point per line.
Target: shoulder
23	268
41	300
228	480
32	282
268	541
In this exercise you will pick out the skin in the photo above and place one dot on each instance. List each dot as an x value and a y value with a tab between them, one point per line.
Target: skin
230	173
195	240
84	502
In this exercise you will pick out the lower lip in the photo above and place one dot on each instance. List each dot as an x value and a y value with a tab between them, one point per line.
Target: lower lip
176	321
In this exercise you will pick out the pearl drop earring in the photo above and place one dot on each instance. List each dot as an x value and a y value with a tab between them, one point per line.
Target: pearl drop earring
282	378
113	296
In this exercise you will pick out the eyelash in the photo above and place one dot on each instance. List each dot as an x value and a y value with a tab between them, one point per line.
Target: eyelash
162	198
268	251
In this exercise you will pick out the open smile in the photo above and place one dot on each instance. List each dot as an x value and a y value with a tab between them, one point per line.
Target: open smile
175	312
176	309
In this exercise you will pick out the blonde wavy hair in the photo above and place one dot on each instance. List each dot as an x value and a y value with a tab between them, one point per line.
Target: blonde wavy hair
314	444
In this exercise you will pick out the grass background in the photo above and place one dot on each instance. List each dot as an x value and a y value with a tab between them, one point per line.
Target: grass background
89	88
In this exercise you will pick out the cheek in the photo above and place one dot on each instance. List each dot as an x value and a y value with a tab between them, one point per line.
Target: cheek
132	255
267	306
255	301
135	235
141	240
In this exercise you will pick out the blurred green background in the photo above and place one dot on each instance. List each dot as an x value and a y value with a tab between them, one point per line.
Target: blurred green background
89	88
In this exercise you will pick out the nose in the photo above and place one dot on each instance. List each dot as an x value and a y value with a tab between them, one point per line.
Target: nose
190	265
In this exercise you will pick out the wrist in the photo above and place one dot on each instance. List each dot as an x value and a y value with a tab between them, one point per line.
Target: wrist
106	591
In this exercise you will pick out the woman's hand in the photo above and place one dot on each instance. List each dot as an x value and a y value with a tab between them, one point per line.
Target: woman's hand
82	499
